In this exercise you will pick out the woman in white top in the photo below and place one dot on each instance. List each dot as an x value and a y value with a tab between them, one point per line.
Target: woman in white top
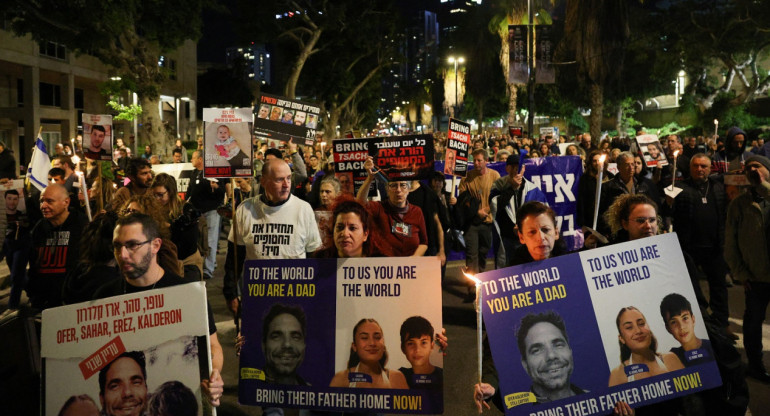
639	358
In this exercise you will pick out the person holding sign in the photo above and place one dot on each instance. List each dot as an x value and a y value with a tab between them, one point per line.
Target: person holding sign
639	358
538	234
397	223
351	225
368	356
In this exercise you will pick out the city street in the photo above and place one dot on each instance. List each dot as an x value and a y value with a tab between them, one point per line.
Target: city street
460	362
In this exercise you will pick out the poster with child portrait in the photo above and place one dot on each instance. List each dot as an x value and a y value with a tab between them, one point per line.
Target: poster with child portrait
124	354
227	142
375	351
97	136
639	336
652	150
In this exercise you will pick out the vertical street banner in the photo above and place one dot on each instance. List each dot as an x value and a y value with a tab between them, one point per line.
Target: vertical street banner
119	355
545	72
342	335
518	72
652	150
349	158
279	118
97	136
182	172
458	143
227	142
558	178
639	338
402	158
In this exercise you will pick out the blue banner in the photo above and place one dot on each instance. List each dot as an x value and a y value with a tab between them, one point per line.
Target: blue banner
302	351
557	177
638	337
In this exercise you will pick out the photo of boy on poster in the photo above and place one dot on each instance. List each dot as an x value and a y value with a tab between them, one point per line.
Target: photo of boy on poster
417	345
97	139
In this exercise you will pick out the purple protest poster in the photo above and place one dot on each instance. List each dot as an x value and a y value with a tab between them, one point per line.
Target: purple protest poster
324	334
575	334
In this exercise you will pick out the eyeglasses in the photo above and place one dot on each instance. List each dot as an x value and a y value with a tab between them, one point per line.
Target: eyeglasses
131	246
159	195
398	185
643	220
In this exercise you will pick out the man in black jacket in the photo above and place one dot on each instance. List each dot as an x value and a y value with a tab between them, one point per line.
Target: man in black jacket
699	221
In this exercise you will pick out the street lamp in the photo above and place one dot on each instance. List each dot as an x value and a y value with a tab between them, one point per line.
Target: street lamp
454	61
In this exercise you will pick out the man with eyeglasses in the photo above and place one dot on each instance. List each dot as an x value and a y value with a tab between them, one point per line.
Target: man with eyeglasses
747	251
399	225
55	247
136	242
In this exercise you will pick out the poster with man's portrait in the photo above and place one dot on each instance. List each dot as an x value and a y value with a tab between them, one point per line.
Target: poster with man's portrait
126	354
639	338
14	209
97	136
227	144
374	351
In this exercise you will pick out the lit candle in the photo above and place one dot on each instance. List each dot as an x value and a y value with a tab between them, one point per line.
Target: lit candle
716	127
598	188
72	140
479	320
673	170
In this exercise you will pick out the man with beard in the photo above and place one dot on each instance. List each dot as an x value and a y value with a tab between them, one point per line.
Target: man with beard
55	247
95	151
136	242
546	356
139	171
123	385
283	342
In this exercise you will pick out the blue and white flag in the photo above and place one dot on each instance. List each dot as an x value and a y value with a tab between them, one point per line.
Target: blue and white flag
37	173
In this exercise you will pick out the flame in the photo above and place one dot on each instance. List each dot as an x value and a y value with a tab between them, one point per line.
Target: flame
676	153
471	277
716	121
75	160
602	157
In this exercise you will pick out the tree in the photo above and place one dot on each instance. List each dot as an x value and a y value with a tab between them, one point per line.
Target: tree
724	47
596	31
128	35
338	50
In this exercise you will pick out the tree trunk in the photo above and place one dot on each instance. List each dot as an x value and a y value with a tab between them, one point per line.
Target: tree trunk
152	131
597	109
330	124
512	94
619	120
480	115
296	68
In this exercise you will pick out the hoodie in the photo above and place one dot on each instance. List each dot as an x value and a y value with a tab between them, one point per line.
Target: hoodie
731	159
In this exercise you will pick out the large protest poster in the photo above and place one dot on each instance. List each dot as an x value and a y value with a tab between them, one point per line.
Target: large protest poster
349	158
279	118
457	145
583	363
97	136
652	150
402	158
558	178
227	142
182	172
298	346
164	334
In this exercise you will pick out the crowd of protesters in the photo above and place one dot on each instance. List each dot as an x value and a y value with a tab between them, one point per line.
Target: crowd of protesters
723	226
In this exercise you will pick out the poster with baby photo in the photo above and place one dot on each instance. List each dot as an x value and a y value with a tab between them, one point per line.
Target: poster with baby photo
97	136
227	142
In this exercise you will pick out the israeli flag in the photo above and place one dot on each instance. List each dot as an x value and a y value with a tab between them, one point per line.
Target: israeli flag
37	173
